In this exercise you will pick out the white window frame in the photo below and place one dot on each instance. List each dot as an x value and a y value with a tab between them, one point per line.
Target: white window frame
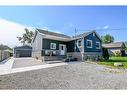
91	43
78	43
54	45
99	45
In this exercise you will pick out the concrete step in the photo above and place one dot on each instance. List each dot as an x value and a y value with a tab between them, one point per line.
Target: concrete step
53	58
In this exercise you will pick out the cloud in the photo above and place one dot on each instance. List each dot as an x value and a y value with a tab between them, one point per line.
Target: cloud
71	25
106	26
9	31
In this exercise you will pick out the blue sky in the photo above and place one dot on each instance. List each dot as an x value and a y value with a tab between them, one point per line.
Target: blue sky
65	18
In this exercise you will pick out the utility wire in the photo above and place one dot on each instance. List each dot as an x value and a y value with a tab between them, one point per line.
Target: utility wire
103	29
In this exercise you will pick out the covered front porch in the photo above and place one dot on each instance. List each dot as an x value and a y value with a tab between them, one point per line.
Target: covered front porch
50	55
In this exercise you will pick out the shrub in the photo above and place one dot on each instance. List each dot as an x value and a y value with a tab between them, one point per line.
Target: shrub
117	53
105	53
112	54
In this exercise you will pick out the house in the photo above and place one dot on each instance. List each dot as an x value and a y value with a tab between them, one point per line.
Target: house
22	51
116	46
4	54
49	45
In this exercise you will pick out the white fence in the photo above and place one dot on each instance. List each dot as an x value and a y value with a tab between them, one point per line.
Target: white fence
4	55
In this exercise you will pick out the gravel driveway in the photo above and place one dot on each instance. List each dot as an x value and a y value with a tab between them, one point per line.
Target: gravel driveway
72	76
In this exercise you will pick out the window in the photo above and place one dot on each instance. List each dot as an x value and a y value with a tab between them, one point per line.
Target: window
79	43
89	43
98	45
53	46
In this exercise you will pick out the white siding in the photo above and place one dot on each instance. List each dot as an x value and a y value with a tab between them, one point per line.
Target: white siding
37	44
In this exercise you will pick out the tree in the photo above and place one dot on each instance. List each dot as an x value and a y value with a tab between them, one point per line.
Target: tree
105	53
107	39
26	37
125	43
4	47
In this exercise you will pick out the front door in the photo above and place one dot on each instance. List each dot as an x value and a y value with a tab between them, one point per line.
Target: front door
62	49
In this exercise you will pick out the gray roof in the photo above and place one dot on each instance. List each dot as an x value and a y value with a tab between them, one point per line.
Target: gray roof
23	46
83	35
52	33
86	34
65	36
114	45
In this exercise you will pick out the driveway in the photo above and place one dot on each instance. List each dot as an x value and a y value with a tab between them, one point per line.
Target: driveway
72	76
25	62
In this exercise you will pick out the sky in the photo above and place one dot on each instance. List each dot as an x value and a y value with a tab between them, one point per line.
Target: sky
62	19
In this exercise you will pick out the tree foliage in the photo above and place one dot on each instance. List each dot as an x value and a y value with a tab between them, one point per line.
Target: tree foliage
105	53
125	43
26	37
4	47
107	39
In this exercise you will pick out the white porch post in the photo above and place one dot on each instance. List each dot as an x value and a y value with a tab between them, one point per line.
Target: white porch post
82	52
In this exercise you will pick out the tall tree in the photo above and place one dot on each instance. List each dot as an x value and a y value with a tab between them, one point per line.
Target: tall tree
26	37
107	39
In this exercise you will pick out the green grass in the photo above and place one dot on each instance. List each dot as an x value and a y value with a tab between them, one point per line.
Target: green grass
111	61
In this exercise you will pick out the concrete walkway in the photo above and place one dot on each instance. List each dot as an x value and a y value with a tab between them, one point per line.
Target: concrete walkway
6	67
29	68
15	65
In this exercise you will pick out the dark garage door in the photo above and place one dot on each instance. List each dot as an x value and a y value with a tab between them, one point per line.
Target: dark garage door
23	53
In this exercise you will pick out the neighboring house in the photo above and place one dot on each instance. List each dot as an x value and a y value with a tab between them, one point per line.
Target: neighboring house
22	51
117	46
4	54
49	45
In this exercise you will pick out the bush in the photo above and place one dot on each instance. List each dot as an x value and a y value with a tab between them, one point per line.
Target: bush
105	53
117	53
112	55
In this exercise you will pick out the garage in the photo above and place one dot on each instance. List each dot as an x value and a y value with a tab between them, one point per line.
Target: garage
22	51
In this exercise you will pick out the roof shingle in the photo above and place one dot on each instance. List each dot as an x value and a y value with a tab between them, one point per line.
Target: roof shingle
114	45
53	33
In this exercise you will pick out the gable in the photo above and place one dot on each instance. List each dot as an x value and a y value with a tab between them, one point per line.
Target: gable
94	39
93	35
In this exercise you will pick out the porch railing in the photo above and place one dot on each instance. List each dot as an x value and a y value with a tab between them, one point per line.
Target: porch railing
46	52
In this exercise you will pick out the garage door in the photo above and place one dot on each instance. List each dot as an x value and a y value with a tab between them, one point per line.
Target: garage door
23	53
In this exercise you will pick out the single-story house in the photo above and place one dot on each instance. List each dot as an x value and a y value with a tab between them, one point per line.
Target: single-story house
22	51
116	46
50	45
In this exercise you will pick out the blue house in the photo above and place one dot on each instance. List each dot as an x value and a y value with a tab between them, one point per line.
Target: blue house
52	46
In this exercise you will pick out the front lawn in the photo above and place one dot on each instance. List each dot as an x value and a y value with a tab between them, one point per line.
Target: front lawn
112	60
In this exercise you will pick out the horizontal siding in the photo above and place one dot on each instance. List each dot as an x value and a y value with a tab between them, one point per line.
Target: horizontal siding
94	40
71	46
46	43
37	44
